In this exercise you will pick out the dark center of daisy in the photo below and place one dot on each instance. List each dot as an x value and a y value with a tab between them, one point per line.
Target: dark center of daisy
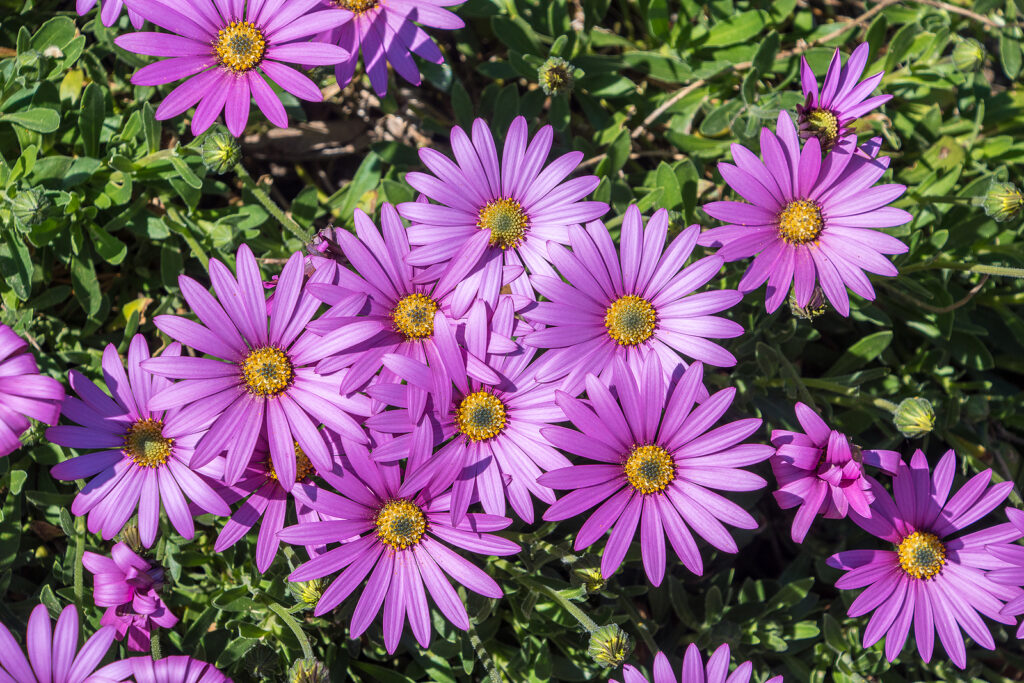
650	469
481	416
400	524
357	6
240	46
922	555
414	316
801	222
630	320
825	125
267	371
506	220
145	444
303	467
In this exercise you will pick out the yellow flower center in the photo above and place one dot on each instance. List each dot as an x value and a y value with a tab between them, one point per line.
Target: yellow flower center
481	416
414	316
400	524
506	220
240	46
357	6
801	222
145	443
303	467
650	469
922	555
630	320
825	125
267	371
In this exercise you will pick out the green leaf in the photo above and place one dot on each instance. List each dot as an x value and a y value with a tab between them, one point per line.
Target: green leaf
861	353
764	58
40	120
736	29
90	120
110	248
85	285
1010	55
365	180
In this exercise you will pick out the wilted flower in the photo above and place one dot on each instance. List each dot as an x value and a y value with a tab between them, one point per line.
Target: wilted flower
609	646
556	76
308	671
1003	201
914	417
816	306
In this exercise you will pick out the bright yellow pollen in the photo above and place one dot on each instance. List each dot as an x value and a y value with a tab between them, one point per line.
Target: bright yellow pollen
145	443
400	524
481	416
801	222
650	469
506	220
922	555
357	6
267	371
630	320
240	46
825	125
303	467
414	316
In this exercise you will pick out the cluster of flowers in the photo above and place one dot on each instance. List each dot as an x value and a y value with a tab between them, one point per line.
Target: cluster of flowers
394	380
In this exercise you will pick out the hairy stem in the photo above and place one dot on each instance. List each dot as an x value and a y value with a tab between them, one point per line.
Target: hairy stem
484	656
585	621
291	623
79	554
270	205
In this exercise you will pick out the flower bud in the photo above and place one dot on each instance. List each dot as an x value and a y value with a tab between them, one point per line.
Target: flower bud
556	76
610	646
968	54
308	671
30	206
220	150
815	307
914	417
1003	201
590	578
130	536
308	592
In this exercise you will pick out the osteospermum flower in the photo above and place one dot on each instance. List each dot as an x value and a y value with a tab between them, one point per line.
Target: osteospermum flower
53	653
632	305
265	384
388	31
129	587
144	453
167	670
494	216
931	579
656	463
822	472
24	393
1013	574
227	51
693	669
110	10
402	546
828	114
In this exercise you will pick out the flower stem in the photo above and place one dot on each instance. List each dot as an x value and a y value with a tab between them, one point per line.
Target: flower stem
979	268
79	554
641	625
270	205
586	622
484	656
291	623
154	644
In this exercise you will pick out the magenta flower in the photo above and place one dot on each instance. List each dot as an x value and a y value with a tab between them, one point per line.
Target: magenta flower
167	670
807	220
129	587
1013	573
822	472
109	12
632	305
227	50
401	547
693	669
828	114
266	384
144	456
495	216
24	393
929	580
656	463
388	31
490	424
53	653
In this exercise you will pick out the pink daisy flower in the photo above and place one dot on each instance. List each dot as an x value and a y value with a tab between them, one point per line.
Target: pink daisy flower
53	652
109	12
1013	574
693	669
176	669
24	393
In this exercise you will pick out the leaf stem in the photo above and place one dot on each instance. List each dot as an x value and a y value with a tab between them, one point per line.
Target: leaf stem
270	205
291	623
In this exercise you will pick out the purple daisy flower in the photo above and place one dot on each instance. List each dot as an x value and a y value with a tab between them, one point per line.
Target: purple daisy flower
129	587
109	12
144	456
828	114
490	424
388	31
631	305
822	471
930	580
167	670
266	383
227	49
495	216
657	461
402	547
1012	575
24	393
693	669
53	653
807	220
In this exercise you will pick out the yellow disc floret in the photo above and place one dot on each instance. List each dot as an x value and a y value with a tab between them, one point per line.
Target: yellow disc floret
414	316
922	555
825	126
400	524
145	443
650	469
630	320
303	467
480	416
267	371
506	220
240	46
800	222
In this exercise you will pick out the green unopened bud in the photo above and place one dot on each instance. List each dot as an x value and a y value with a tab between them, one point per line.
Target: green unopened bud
1003	201
591	578
308	671
914	417
220	150
610	646
308	592
555	76
815	307
30	206
130	536
262	663
968	54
